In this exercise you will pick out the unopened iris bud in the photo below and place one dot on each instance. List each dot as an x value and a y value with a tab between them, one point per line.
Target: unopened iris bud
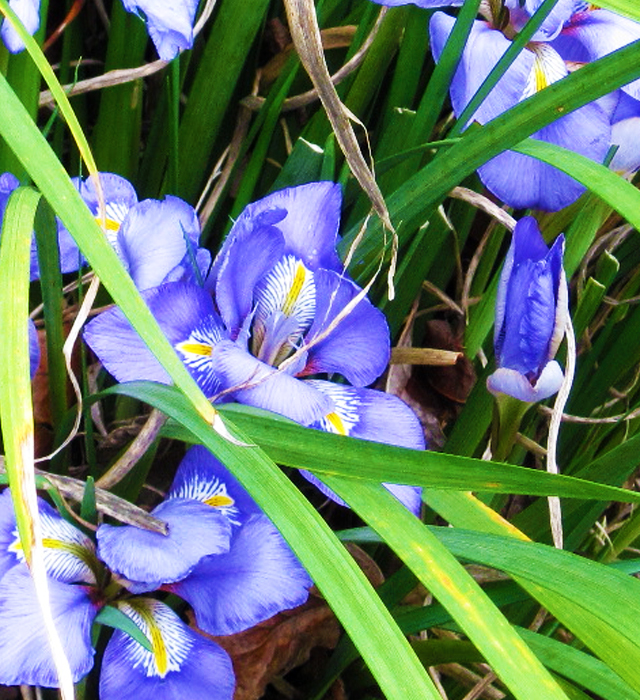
531	313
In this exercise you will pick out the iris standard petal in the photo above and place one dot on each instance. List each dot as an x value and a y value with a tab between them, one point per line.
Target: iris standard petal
24	647
184	312
285	307
513	383
310	226
484	47
520	13
358	346
524	182
195	531
29	13
592	34
255	383
182	664
259	577
202	477
250	251
170	24
155	237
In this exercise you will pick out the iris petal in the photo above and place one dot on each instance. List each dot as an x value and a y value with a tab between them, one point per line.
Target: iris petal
203	477
170	24
24	647
371	415
154	237
257	384
513	383
484	47
69	554
259	577
592	34
152	559
182	664
34	348
358	346
525	182
28	12
250	251
185	314
311	221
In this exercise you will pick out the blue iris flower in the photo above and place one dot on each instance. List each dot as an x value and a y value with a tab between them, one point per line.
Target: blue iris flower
28	12
222	555
531	314
277	310
169	23
572	34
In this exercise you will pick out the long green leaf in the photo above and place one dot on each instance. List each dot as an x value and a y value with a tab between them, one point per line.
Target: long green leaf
328	454
436	567
16	409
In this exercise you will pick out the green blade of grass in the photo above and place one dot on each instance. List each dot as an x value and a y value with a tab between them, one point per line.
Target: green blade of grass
445	577
16	409
335	455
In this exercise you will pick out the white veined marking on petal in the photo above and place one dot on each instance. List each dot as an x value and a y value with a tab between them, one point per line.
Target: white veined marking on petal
115	213
68	553
169	637
290	288
213	492
285	309
196	353
548	67
346	414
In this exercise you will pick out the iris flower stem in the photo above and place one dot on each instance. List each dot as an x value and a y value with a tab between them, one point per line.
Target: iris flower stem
508	413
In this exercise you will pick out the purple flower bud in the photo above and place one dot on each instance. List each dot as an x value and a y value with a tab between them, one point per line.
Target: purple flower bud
531	313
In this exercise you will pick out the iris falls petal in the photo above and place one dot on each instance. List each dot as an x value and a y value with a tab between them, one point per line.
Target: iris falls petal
203	477
182	663
24	647
259	577
142	556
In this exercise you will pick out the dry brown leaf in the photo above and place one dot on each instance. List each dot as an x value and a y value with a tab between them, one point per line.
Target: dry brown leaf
305	32
332	38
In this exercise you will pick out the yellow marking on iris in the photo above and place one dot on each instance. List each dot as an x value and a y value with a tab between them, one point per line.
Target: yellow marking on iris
294	292
159	648
541	78
109	224
73	548
220	501
195	349
337	423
